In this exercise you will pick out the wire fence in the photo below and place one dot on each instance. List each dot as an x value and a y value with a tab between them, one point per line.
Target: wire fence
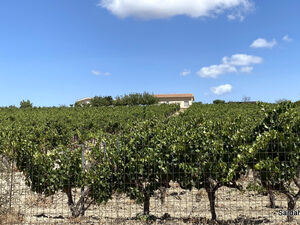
171	204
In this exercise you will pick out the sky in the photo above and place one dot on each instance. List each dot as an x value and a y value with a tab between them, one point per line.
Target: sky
54	52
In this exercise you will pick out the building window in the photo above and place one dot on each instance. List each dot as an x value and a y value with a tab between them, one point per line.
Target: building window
186	103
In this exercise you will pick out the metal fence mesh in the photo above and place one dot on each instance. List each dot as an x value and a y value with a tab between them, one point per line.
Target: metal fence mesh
172	205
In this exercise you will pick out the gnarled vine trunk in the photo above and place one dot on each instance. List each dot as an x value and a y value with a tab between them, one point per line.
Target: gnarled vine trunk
211	188
146	203
79	208
212	201
272	199
291	208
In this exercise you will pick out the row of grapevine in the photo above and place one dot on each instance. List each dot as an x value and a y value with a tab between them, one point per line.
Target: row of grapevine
47	145
139	150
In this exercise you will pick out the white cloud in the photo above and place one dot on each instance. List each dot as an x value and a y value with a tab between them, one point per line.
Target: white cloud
236	16
263	43
107	74
240	15
287	38
231	17
231	65
246	69
159	9
216	70
242	60
222	89
185	72
96	72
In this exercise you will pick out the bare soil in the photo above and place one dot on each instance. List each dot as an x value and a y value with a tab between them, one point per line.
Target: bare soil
180	207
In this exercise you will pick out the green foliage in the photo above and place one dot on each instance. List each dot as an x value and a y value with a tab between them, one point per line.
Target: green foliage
47	146
5	171
137	150
101	101
297	103
246	99
25	104
275	151
281	100
143	159
218	101
133	99
209	156
79	104
136	99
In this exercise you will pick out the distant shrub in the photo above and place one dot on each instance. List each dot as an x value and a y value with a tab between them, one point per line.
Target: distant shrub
246	99
297	103
101	101
125	100
281	100
218	101
136	99
25	104
79	104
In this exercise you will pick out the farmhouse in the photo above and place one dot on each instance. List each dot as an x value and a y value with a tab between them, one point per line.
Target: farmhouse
84	101
184	100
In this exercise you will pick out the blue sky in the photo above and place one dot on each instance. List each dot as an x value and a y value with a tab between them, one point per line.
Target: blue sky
55	52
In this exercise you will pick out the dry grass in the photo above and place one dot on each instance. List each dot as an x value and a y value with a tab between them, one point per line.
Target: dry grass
11	217
37	200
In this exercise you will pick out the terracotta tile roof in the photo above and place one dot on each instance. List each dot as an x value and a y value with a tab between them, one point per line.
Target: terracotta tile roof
174	96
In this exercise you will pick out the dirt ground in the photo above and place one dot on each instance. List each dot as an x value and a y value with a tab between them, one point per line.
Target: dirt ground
180	207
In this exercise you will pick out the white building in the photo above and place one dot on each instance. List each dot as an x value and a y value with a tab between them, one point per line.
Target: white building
184	100
83	101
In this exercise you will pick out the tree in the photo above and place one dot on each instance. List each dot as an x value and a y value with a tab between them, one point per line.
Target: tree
101	101
25	104
136	99
281	100
297	103
246	99
218	101
148	99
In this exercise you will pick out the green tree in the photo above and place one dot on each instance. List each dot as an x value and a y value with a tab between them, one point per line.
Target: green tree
25	104
297	103
281	100
101	101
246	99
218	101
136	99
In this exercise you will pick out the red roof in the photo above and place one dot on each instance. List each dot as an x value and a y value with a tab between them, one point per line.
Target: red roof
174	96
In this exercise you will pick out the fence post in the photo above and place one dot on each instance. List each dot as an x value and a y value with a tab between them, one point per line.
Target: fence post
83	169
11	183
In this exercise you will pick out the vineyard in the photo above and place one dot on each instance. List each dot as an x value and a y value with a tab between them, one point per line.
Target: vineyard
211	164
